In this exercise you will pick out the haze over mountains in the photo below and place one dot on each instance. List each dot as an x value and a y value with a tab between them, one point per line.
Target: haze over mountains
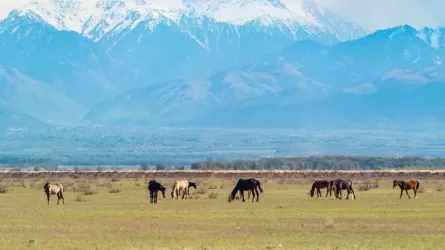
191	63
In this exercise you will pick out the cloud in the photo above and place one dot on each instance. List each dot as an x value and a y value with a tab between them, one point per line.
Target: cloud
378	14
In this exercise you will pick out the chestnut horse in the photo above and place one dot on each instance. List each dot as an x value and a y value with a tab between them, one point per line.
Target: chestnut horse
318	184
406	185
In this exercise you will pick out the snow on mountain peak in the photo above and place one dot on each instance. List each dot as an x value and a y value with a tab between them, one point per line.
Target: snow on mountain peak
95	18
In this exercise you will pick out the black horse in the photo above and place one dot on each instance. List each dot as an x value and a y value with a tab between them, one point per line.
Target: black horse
244	185
153	188
340	185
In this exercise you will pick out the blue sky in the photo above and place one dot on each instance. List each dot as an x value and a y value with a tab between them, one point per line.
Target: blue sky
371	14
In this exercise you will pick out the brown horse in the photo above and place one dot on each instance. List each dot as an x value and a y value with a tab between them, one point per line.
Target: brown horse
51	189
406	185
318	184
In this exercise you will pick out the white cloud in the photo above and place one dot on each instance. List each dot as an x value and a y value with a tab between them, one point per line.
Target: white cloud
7	5
378	14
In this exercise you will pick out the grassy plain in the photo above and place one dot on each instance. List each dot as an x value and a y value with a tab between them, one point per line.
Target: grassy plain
284	218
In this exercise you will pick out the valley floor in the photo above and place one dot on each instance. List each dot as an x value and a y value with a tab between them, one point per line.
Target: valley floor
117	214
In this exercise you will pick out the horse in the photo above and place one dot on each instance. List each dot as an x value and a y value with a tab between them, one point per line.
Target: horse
244	185
51	189
238	194
340	185
153	188
184	186
318	184
407	185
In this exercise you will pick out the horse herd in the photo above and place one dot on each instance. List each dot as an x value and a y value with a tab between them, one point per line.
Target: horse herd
250	185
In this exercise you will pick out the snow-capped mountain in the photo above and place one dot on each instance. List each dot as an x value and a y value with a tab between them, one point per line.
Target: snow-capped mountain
154	40
390	75
184	61
96	18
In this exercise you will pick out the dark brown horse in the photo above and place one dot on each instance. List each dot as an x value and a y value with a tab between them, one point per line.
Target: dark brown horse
246	184
406	185
153	188
318	184
339	185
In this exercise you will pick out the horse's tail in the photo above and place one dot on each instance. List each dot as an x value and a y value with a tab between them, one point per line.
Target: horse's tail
417	184
259	186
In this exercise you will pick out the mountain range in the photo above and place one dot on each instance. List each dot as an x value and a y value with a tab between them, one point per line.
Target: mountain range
214	63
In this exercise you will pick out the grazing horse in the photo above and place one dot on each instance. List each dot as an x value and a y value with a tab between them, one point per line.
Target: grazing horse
406	185
184	186
51	189
340	185
238	194
244	185
318	184
153	188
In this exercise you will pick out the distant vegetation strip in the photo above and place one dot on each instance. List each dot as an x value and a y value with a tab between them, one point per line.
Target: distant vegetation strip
325	162
293	163
234	174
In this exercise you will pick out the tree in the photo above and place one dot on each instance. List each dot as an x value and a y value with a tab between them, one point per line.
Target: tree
144	166
160	166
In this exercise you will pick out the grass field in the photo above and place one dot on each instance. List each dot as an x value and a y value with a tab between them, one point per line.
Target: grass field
284	218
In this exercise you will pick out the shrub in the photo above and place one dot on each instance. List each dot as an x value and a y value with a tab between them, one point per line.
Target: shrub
368	185
440	188
80	198
89	192
201	190
105	184
114	190
212	195
3	189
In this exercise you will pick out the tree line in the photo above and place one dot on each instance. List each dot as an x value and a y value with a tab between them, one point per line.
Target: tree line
323	163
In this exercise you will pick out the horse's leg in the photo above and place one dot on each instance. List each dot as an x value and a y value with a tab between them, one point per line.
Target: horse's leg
242	195
58	198
47	197
415	192
406	190
156	196
63	198
353	193
257	195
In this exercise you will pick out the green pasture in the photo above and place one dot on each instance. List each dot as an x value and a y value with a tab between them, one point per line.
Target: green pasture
117	214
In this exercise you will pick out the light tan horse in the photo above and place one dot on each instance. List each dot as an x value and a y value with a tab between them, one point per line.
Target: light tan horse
184	186
406	185
51	189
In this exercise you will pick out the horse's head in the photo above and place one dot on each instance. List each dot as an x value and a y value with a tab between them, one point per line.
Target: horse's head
231	197
311	192
192	184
